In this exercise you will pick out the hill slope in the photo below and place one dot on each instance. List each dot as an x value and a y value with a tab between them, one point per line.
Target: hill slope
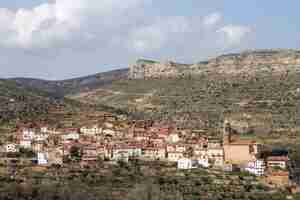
264	100
258	91
248	63
18	103
76	85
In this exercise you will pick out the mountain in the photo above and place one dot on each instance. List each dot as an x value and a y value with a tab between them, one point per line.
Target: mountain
72	86
257	91
28	99
20	103
248	63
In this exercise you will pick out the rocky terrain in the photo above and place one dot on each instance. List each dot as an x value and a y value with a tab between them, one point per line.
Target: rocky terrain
18	103
258	91
249	63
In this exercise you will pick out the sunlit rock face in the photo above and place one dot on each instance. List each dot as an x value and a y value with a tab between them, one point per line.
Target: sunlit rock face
248	63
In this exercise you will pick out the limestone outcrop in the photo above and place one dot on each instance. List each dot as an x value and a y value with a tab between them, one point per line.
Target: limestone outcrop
246	63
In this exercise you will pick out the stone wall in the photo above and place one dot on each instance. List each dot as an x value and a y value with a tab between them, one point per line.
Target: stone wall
246	63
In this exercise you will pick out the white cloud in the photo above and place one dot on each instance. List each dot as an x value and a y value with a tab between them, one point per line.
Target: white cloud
59	20
118	30
234	34
212	19
155	35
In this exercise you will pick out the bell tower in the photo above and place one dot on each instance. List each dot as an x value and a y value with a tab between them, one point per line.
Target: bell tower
227	132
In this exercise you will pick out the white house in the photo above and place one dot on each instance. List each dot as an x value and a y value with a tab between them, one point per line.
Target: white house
44	129
41	137
173	138
71	136
215	155
108	132
277	161
42	159
108	125
185	163
203	161
93	130
121	156
11	148
256	167
28	134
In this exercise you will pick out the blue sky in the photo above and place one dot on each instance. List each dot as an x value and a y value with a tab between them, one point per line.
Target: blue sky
68	38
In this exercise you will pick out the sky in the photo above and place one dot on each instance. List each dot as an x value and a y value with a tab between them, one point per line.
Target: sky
60	39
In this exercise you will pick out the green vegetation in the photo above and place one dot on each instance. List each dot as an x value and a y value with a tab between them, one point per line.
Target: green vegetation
134	181
205	102
75	153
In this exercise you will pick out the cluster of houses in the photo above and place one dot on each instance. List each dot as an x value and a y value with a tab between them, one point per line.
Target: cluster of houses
114	141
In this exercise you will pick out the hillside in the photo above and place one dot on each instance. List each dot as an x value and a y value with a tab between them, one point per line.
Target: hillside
258	91
18	103
263	100
248	63
76	85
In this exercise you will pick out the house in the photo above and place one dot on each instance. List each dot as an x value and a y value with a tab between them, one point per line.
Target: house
38	146
174	156
11	148
157	141
180	148
28	133
44	129
241	152
109	132
207	157
141	134
73	135
164	131
278	178
42	158
25	137
277	161
25	144
89	153
108	125
91	130
41	137
237	150
200	152
173	138
171	147
216	155
120	156
67	145
55	157
186	163
256	167
131	151
154	153
214	144
203	161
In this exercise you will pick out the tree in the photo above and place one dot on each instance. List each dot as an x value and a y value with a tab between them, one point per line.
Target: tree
75	153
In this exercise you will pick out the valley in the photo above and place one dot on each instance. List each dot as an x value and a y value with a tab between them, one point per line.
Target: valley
229	126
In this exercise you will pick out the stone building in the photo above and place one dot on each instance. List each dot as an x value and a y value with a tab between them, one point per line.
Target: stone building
237	150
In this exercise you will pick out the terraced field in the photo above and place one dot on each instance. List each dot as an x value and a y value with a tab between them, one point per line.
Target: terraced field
269	104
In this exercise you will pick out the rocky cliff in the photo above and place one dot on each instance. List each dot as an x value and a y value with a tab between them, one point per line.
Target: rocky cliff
247	63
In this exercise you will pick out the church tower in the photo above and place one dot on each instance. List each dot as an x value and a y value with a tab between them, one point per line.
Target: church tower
227	133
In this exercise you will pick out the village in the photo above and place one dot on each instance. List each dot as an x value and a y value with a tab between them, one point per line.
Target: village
114	140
